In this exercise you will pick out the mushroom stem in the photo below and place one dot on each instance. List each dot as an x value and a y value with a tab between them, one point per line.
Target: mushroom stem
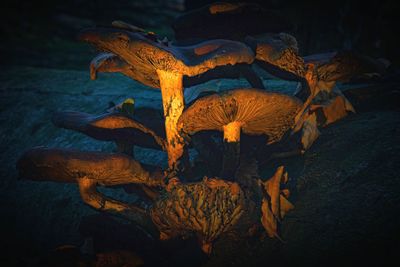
231	153
232	132
173	103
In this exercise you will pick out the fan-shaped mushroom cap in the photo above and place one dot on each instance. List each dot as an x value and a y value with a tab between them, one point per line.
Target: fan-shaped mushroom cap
147	56
65	165
109	127
278	54
233	21
256	112
108	62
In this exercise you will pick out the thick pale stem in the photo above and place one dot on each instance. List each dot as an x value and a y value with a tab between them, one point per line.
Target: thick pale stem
173	104
232	132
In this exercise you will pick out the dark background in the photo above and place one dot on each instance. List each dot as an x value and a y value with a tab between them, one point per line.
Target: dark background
42	32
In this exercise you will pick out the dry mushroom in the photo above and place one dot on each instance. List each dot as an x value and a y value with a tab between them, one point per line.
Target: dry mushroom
347	66
325	105
169	65
89	169
326	98
207	209
111	63
118	127
278	55
251	111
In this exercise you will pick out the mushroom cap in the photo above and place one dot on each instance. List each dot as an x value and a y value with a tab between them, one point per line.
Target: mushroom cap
66	165
146	56
109	127
258	112
108	62
278	54
233	21
347	65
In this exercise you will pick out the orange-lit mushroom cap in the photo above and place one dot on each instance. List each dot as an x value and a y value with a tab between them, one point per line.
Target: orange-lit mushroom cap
254	112
147	56
164	66
278	54
109	127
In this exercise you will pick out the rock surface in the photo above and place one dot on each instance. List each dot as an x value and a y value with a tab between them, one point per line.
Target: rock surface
347	186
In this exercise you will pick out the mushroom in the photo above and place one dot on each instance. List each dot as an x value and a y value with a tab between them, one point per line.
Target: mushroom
207	208
164	67
325	101
110	63
278	55
346	66
88	170
120	128
251	111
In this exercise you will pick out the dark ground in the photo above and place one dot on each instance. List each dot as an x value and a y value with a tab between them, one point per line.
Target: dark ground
347	185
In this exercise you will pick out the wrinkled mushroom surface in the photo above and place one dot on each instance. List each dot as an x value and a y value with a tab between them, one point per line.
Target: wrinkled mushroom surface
278	54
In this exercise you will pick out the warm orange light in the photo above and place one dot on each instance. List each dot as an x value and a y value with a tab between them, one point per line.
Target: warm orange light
173	104
232	132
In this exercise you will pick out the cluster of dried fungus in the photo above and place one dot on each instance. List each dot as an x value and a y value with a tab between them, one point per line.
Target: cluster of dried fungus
236	197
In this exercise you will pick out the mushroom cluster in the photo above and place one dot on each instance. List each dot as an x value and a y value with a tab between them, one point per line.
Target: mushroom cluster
235	198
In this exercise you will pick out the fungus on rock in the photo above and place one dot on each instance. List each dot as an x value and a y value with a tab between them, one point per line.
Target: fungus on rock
208	208
164	67
254	112
88	170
